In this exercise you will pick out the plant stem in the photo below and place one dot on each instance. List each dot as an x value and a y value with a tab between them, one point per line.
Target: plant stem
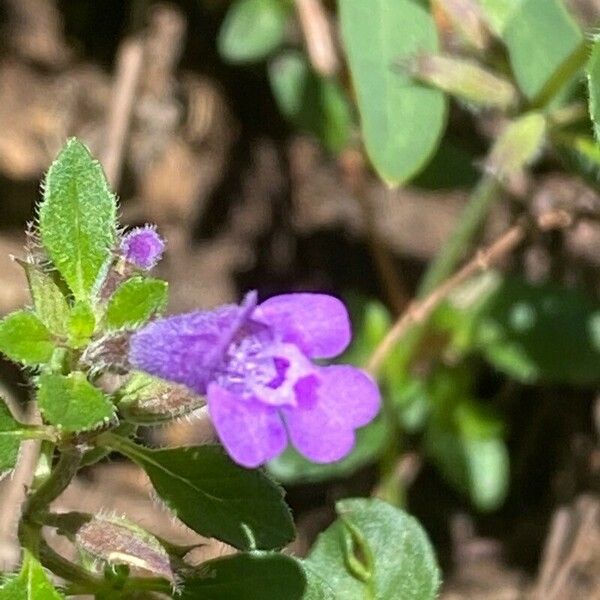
420	310
30	525
57	482
469	223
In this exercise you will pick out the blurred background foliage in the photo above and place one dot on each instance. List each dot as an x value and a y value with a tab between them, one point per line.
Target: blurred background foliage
369	148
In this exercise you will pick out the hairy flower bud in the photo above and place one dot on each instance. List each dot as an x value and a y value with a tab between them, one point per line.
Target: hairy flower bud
143	247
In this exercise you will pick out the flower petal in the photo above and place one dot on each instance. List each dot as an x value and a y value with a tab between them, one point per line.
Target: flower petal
322	426
317	323
251	432
188	348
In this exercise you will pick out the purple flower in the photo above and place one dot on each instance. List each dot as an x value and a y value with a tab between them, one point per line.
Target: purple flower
254	364
142	247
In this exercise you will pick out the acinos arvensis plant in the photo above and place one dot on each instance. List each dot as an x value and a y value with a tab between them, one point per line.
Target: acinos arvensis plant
96	311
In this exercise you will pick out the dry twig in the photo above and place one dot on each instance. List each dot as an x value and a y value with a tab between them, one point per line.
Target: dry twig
420	310
130	61
318	36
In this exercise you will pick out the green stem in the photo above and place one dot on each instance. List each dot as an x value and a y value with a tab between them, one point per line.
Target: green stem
469	223
60	477
65	569
30	525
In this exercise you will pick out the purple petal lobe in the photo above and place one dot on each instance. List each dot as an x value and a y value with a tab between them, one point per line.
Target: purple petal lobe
251	432
317	323
330	407
142	247
189	348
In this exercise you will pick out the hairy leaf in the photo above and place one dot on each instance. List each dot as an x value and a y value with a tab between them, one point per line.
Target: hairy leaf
375	550
50	303
246	577
10	439
78	219
135	301
24	338
31	583
72	403
215	497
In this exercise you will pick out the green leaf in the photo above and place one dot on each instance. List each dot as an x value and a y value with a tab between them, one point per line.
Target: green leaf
402	121
252	29
246	577
518	145
10	439
291	467
78	219
542	332
215	497
31	583
317	587
72	403
24	338
580	153
593	78
499	12
312	103
82	323
375	551
466	442
451	167
135	301
542	38
50	303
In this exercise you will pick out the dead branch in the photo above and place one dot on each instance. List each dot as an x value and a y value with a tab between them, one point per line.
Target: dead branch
130	61
318	36
420	310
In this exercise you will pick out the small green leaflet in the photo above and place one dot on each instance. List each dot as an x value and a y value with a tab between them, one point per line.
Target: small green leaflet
252	29
50	303
542	39
374	550
135	301
215	497
82	323
24	338
72	403
401	120
78	219
31	583
10	439
593	77
312	103
259	575
518	145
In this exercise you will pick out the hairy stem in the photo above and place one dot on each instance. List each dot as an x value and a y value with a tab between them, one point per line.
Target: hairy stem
36	505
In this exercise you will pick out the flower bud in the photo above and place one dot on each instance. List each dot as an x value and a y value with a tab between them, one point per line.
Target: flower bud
142	247
465	79
120	542
147	400
518	145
